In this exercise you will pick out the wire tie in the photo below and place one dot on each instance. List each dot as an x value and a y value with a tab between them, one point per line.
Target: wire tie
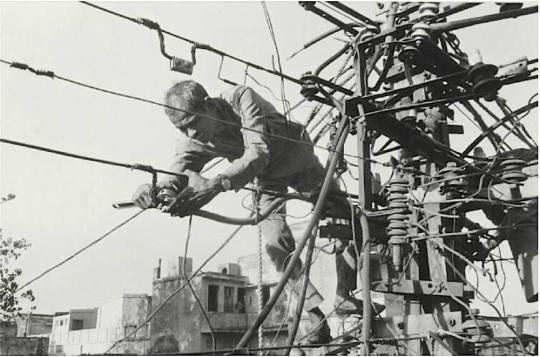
39	72
149	23
19	65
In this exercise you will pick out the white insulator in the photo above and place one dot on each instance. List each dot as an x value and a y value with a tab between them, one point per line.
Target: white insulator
369	32
428	11
420	31
474	57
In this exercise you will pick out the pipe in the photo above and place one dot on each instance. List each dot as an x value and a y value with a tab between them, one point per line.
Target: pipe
321	37
366	274
301	298
311	247
333	160
310	6
331	59
492	128
352	12
459	24
454	9
248	221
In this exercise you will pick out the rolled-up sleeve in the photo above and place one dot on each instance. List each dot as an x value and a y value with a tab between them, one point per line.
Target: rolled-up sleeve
256	140
189	156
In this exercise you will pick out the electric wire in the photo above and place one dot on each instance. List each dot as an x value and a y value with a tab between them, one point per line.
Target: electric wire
57	265
286	104
197	44
225	122
480	294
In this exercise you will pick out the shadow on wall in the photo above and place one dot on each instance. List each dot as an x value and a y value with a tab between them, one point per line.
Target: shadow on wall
165	344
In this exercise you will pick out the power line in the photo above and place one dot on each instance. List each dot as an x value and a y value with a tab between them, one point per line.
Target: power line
140	167
140	99
79	251
197	44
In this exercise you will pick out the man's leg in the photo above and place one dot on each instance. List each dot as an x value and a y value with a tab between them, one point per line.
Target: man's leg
280	245
346	261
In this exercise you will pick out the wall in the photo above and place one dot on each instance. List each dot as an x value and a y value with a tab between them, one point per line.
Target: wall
23	346
112	321
8	329
176	327
88	316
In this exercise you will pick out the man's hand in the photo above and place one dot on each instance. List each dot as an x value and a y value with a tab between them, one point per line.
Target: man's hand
202	191
142	198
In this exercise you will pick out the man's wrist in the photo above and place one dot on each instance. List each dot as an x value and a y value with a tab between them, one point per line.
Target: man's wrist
224	182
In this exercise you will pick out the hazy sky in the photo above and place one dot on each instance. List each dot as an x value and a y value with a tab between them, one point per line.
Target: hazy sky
62	204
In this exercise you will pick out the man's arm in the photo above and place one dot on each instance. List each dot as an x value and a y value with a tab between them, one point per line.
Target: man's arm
189	160
256	141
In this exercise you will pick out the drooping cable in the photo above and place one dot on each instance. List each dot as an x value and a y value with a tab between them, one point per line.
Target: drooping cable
176	291
57	265
239	126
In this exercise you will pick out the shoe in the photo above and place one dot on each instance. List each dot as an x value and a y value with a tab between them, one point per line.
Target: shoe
351	306
321	335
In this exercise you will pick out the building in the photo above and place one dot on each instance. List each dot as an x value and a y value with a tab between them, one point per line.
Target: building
228	306
95	330
11	344
30	324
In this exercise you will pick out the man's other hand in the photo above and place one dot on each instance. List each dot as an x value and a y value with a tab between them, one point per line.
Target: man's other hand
142	198
204	190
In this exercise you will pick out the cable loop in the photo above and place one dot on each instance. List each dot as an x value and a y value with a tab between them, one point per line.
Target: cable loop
148	169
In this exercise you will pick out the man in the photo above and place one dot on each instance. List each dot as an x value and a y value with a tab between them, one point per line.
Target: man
248	131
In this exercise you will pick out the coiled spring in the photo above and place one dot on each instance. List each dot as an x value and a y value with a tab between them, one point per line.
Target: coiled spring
512	170
398	220
453	184
428	11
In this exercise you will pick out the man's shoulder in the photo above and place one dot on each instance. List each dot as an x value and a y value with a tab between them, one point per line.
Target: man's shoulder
233	94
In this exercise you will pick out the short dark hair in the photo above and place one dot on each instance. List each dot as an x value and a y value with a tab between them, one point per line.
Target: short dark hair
186	95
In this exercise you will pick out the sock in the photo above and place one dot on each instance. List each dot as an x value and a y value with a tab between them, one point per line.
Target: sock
317	312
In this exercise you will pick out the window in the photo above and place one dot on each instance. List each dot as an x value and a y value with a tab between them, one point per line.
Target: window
265	295
228	303
61	322
240	300
77	325
213	291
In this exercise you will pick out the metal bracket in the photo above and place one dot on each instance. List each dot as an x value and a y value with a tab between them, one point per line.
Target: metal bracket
423	287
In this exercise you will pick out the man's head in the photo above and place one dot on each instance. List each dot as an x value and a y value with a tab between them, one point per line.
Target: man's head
189	109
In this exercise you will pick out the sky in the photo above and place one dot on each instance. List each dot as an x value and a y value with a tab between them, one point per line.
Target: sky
62	204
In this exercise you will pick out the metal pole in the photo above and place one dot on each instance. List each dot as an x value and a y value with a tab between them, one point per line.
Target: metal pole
459	24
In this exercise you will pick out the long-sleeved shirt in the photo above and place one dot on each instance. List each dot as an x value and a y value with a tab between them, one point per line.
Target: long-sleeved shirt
252	150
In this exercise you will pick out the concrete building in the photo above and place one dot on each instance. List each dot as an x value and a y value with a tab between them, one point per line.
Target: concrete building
11	344
30	324
93	331
228	300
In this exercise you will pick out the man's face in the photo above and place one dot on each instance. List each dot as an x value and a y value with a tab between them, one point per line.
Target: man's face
198	127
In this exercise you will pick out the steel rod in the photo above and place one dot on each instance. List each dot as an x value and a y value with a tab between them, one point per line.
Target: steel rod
459	24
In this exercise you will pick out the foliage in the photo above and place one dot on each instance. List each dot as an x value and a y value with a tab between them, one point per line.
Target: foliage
10	251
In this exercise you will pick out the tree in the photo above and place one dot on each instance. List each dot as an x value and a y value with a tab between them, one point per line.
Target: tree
10	251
